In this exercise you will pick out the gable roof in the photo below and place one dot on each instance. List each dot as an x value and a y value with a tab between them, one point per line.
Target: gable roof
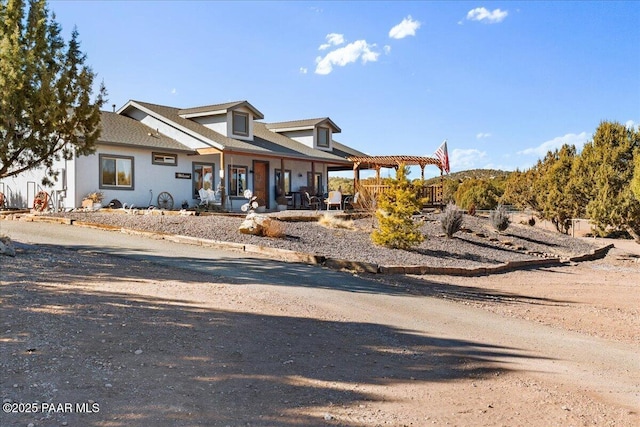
265	142
122	130
215	109
305	124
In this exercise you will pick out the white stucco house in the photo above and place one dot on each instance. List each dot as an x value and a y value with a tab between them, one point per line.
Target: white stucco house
146	149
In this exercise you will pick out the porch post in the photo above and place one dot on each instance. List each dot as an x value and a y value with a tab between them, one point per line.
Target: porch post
223	191
282	177
356	177
313	191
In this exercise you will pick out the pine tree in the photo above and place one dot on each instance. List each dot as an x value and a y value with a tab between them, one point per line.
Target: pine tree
46	111
396	207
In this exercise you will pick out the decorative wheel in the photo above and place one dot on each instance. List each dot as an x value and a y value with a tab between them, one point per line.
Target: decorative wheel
165	200
41	201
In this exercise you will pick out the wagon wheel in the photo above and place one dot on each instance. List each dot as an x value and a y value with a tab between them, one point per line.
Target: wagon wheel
165	200
1	200
41	201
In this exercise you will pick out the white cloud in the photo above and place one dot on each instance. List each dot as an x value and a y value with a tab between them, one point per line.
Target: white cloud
333	39
340	57
464	159
481	14
303	70
387	49
482	135
571	139
405	28
630	124
174	91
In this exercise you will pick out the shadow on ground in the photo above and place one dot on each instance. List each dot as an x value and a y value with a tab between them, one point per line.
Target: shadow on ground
200	366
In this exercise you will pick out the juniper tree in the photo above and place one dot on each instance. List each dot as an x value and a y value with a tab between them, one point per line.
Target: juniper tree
603	178
46	106
396	207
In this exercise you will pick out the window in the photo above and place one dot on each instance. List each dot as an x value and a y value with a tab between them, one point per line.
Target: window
287	181
165	159
323	137
316	184
237	180
116	172
240	123
202	178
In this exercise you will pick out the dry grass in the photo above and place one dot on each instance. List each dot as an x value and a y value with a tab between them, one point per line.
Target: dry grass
274	229
330	221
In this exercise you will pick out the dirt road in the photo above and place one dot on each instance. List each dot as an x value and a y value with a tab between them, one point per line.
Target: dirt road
164	334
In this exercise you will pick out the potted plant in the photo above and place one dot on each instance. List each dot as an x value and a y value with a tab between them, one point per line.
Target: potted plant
93	200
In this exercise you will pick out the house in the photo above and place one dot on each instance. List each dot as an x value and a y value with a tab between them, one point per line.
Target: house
146	149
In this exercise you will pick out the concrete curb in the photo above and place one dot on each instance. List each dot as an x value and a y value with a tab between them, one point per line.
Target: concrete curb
332	263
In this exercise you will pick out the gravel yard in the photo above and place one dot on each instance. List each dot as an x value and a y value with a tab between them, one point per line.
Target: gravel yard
477	246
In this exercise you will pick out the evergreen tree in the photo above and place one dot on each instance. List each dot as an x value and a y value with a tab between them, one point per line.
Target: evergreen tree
46	111
635	183
556	203
396	208
479	192
602	179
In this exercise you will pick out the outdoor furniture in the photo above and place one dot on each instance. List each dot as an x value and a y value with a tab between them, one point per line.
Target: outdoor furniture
312	201
334	199
204	197
352	201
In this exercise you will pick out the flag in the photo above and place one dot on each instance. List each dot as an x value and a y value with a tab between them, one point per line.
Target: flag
443	156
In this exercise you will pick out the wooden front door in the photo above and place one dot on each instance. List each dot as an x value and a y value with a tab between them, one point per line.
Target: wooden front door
261	182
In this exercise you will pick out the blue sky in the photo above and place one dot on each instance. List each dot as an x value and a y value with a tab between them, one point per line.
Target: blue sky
502	82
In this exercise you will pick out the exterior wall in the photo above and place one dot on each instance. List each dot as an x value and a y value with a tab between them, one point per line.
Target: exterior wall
216	123
309	138
229	130
149	179
302	136
167	130
21	189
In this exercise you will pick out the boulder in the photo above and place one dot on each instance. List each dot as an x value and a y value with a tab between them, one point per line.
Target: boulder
255	224
6	247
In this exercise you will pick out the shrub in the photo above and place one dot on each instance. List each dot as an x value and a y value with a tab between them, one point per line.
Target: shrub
500	218
451	220
275	229
396	208
331	221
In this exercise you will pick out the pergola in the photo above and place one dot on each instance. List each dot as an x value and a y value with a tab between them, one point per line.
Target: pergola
378	162
431	193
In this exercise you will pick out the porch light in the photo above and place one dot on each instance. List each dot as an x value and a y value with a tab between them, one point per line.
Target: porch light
221	173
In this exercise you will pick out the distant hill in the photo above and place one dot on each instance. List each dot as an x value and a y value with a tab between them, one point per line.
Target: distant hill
472	173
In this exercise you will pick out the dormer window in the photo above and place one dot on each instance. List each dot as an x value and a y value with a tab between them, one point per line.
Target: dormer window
240	123
323	137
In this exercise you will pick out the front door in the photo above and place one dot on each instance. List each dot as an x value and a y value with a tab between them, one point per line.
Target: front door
261	182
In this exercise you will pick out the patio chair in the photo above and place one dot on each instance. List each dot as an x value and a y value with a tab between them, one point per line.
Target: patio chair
352	202
312	201
204	197
334	199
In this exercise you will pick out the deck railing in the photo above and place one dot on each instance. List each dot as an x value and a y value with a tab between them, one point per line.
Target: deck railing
432	194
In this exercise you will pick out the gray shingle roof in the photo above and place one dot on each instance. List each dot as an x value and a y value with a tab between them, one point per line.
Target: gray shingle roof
221	107
123	130
303	124
265	142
